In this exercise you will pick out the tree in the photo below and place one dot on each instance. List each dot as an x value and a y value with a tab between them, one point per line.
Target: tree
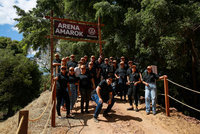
20	79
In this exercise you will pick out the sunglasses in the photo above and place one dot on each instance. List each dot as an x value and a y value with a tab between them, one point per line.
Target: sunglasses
63	68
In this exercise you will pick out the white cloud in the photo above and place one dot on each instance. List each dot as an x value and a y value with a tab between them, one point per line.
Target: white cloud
8	13
15	29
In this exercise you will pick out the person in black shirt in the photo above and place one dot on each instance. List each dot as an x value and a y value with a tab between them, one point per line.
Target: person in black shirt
72	62
92	73
149	79
56	64
120	74
103	93
98	68
123	60
61	85
85	88
129	70
133	80
105	69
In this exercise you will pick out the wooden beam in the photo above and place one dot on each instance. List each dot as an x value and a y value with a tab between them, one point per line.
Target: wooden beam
74	21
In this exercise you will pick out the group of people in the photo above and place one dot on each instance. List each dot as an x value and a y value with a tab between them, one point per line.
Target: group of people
101	80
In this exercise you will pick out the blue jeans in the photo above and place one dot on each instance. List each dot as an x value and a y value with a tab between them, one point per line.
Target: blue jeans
95	98
73	96
150	94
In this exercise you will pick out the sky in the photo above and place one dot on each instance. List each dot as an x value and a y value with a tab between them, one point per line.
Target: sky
7	15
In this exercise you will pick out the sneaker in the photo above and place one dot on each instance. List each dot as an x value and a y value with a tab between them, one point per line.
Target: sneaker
154	113
136	110
59	117
95	120
147	113
106	115
82	112
130	108
87	112
69	117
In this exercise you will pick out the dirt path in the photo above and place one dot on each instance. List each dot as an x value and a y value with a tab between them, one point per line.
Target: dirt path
126	122
122	121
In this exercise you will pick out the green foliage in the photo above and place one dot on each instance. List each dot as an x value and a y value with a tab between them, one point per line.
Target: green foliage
19	79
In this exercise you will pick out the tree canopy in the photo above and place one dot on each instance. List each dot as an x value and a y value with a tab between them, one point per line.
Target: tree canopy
20	77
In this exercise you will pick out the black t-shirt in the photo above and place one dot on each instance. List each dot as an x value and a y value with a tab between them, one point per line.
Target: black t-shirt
129	71
98	65
71	64
125	66
61	83
121	72
73	79
150	78
91	72
105	69
105	90
85	80
134	77
57	61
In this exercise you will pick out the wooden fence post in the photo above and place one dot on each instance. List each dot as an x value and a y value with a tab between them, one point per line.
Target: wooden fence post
53	116
24	127
166	95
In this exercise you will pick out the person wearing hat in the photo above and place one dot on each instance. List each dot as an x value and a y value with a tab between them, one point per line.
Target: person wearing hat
72	62
103	94
149	80
56	64
133	79
62	80
120	75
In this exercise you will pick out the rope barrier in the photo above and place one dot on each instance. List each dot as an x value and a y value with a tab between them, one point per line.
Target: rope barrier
44	109
181	103
45	127
21	120
183	87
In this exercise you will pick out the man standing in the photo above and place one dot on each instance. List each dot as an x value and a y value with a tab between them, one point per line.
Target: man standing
103	93
149	79
56	64
72	62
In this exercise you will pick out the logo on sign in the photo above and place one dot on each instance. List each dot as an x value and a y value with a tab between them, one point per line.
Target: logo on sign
91	31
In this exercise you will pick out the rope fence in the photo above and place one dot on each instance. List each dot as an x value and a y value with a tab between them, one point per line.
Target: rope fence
45	126
39	117
184	104
183	87
27	119
20	124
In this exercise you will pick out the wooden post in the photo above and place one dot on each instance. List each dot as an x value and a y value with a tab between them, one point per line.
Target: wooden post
51	40
166	95
24	126
53	116
53	123
99	31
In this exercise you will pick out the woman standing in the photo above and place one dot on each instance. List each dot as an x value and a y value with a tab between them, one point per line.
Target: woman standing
61	85
133	80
